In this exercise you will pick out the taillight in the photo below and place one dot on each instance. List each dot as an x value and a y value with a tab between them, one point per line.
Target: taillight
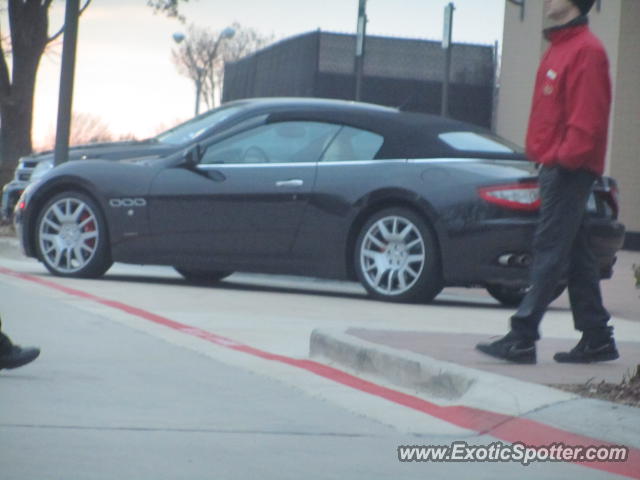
20	204
516	196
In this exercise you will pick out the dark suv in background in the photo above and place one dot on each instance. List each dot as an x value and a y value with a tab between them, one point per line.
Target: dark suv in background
182	136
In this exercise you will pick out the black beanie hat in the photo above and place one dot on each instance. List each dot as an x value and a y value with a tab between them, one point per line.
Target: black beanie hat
584	5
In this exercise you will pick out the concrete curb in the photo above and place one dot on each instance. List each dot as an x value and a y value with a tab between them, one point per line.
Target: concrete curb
446	382
409	371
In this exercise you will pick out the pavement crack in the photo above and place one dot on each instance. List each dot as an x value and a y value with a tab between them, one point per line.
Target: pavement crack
524	415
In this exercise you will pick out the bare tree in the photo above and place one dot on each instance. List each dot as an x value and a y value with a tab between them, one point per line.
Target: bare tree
23	48
202	54
167	7
89	128
85	128
245	42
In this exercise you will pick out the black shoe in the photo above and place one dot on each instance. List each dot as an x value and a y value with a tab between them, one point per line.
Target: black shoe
511	348
18	356
589	350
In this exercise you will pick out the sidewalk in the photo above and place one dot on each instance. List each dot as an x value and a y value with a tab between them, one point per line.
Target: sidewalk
446	368
459	349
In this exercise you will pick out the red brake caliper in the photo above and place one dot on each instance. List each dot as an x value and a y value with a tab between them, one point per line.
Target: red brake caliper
89	227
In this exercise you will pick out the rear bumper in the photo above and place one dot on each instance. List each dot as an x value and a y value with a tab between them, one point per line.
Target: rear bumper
472	257
606	237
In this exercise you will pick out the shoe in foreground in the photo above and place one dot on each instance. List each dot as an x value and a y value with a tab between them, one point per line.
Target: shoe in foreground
511	348
18	356
589	351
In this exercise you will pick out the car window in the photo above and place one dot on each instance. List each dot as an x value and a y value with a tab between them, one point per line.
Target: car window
478	142
353	144
283	142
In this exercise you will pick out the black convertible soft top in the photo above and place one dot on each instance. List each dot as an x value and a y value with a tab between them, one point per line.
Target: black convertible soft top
407	134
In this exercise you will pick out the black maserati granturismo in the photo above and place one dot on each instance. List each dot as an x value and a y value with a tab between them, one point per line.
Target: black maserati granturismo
405	203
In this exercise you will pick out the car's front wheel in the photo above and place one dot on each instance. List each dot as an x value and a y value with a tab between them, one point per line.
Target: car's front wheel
397	257
71	236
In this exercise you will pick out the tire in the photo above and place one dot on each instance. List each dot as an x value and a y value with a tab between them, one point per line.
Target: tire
71	236
397	257
512	296
202	277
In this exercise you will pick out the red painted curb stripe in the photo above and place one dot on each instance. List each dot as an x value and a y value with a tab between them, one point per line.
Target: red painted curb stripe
504	427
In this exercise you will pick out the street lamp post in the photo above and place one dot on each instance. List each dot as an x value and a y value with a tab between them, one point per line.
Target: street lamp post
227	33
361	35
199	77
200	72
446	45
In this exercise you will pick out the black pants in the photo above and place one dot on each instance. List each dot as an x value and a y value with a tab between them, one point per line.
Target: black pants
561	247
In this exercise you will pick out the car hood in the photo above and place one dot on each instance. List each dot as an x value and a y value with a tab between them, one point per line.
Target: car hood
113	151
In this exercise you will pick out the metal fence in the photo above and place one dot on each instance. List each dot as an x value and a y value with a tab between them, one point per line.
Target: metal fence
399	72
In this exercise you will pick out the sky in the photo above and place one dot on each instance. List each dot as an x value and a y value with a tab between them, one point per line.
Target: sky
124	72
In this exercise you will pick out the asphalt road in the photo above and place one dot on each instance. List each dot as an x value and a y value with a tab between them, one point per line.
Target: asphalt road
144	377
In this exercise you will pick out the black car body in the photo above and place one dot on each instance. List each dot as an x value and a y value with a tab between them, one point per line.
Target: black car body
406	203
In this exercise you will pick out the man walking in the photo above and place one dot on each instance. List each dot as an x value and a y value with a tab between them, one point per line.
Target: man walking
13	356
567	136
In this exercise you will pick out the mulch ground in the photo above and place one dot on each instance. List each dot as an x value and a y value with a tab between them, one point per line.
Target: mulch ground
626	392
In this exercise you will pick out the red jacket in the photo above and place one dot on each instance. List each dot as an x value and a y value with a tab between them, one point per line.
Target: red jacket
571	101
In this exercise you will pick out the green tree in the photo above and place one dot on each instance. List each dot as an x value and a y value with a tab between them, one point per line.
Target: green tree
20	54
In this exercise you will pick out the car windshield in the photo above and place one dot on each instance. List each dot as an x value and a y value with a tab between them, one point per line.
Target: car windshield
191	129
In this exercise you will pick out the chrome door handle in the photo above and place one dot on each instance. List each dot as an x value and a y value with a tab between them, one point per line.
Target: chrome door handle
295	182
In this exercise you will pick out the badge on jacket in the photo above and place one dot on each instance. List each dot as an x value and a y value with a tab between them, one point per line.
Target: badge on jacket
548	88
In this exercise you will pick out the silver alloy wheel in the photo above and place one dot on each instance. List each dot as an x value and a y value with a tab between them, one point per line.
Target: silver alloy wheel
68	235
392	255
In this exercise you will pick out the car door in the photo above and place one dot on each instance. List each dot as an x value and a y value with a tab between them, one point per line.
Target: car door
246	198
347	171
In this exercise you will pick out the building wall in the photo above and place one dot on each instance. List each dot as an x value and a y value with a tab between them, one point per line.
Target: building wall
616	24
522	46
625	138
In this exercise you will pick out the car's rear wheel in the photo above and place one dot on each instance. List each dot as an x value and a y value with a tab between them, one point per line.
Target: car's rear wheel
512	296
71	236
397	257
202	277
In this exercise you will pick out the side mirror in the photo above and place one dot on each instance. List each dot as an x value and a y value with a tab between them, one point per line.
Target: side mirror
193	155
